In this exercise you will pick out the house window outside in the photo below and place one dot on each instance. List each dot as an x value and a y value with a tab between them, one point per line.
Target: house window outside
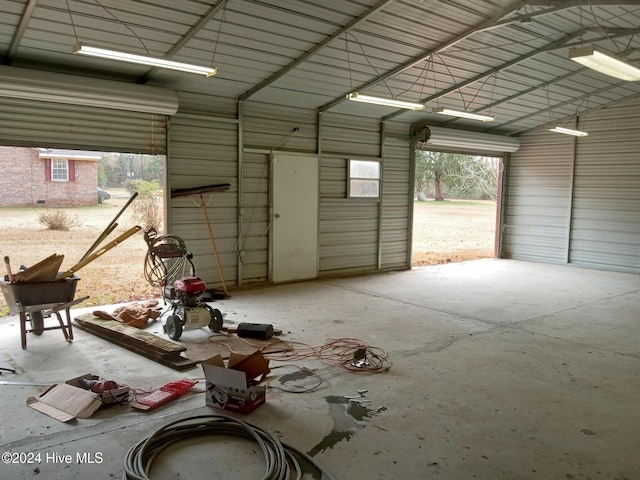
59	170
364	179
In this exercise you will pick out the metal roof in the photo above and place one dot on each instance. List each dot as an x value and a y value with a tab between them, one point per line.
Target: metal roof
503	58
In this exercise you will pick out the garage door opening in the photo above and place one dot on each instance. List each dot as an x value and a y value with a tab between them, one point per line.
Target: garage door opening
58	201
455	207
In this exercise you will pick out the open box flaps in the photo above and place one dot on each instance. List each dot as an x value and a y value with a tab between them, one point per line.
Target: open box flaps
239	386
65	402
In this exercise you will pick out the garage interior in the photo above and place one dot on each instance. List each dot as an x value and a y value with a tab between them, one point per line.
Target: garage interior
522	366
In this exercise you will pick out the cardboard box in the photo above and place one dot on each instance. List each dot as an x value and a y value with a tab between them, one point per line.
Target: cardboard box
65	402
118	395
240	386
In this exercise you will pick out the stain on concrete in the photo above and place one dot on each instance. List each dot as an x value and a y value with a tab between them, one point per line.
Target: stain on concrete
348	416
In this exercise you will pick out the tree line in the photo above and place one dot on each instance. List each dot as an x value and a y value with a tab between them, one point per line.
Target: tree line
119	169
440	175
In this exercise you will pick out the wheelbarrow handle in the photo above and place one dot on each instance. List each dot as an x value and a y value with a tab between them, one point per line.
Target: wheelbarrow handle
8	265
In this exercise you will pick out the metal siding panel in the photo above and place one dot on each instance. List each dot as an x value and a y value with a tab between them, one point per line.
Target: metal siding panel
203	152
605	201
396	194
333	177
606	207
271	127
350	136
253	246
31	123
343	248
538	197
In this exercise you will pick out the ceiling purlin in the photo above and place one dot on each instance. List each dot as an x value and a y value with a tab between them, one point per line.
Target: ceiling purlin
519	94
562	104
488	73
302	58
189	34
611	33
576	3
17	37
495	22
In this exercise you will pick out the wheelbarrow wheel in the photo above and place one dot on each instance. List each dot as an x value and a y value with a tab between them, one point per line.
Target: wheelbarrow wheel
37	323
215	324
173	327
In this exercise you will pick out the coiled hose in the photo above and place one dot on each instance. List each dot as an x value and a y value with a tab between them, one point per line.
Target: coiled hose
282	461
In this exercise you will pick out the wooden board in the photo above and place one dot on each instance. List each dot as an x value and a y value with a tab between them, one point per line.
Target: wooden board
143	343
195	345
43	271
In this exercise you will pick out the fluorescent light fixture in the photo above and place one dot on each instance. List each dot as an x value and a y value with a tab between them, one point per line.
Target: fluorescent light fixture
604	63
154	62
457	113
389	102
569	131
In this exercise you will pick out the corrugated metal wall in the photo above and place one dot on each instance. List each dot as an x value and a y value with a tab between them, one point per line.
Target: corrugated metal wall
348	226
355	235
577	201
33	123
203	151
397	198
537	198
605	229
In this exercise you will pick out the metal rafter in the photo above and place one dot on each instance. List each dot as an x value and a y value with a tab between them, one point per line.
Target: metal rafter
562	104
302	58
17	37
577	3
195	28
494	22
488	73
611	33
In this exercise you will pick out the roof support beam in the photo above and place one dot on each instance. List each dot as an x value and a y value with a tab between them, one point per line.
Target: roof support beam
581	98
208	15
494	22
488	73
576	3
611	33
24	21
302	58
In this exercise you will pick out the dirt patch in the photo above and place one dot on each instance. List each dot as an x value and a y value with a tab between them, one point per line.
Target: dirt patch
116	276
453	231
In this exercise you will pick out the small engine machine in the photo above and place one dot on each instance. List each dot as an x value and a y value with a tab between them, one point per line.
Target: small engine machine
169	265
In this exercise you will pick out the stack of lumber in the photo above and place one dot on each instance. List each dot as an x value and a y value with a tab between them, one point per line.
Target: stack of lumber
143	343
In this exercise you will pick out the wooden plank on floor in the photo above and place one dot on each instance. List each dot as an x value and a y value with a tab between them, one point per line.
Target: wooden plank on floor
143	343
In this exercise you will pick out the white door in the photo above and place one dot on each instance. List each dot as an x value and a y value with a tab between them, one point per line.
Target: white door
294	221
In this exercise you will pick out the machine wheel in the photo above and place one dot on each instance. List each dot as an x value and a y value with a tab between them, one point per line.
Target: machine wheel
37	323
215	324
173	327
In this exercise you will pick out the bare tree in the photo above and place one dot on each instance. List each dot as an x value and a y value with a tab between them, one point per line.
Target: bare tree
478	177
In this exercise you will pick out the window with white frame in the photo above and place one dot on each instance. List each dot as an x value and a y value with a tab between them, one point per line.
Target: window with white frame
59	170
364	178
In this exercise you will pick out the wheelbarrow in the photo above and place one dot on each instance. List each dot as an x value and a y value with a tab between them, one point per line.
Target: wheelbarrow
39	300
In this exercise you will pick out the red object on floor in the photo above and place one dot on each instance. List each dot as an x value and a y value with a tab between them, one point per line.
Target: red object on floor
167	392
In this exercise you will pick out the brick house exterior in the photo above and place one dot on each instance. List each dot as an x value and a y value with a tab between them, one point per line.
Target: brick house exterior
48	177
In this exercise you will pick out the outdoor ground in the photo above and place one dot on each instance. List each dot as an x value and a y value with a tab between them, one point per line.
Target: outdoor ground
114	277
453	231
449	231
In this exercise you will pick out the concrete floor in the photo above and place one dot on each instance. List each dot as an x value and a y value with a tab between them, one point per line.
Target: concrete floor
500	369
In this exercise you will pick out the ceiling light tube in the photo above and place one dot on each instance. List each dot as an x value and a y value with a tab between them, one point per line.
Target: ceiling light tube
457	113
389	102
569	131
604	63
154	62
